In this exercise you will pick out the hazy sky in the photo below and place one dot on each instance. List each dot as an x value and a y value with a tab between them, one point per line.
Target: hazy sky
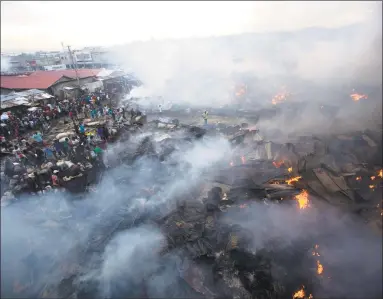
36	25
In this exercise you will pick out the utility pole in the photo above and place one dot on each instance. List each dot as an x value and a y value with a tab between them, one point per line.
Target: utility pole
74	65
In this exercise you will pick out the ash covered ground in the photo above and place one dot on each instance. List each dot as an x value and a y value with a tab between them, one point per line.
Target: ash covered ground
207	212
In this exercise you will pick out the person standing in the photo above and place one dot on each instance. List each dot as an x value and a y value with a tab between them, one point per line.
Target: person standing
71	115
40	156
66	146
16	151
123	112
37	137
48	153
84	110
81	128
204	116
100	133
58	148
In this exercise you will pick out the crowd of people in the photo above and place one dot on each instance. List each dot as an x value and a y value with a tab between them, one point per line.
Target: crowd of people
29	158
14	125
30	152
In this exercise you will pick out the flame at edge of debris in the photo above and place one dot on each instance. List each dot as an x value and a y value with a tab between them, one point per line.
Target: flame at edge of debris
319	268
278	164
357	97
294	179
299	294
302	199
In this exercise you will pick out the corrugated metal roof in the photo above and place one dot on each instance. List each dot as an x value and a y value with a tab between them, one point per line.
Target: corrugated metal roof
43	79
29	95
30	92
108	74
19	101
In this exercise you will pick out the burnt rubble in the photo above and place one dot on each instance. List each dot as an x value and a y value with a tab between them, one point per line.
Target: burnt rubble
205	252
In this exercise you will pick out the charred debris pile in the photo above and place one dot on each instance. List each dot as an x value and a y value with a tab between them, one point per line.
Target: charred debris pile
195	230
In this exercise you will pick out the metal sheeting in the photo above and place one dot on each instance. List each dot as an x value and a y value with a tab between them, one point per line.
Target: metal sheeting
28	95
93	85
19	101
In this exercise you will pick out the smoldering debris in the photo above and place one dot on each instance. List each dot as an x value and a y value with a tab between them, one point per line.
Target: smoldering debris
186	212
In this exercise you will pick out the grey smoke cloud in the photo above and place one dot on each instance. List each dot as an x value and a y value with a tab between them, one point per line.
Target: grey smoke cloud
200	72
5	63
54	227
347	247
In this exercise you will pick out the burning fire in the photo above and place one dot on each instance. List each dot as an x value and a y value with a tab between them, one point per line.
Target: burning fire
358	178
241	90
303	199
372	178
357	97
278	164
294	179
319	265
300	294
290	169
280	97
371	187
380	173
319	268
315	252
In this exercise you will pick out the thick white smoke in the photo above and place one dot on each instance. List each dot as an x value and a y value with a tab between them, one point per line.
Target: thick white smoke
52	227
200	72
5	63
347	247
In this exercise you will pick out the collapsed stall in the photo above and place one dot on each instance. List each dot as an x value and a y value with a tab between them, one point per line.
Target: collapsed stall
208	252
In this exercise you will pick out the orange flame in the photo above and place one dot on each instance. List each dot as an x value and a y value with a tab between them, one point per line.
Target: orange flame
300	294
278	164
380	173
241	90
358	178
294	179
357	97
319	268
372	178
315	253
290	169
281	96
371	186
303	199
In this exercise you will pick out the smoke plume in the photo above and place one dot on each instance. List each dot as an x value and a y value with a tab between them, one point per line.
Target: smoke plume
42	237
201	72
346	246
5	63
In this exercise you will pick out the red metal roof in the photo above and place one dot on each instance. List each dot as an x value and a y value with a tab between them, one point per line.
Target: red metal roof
43	79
